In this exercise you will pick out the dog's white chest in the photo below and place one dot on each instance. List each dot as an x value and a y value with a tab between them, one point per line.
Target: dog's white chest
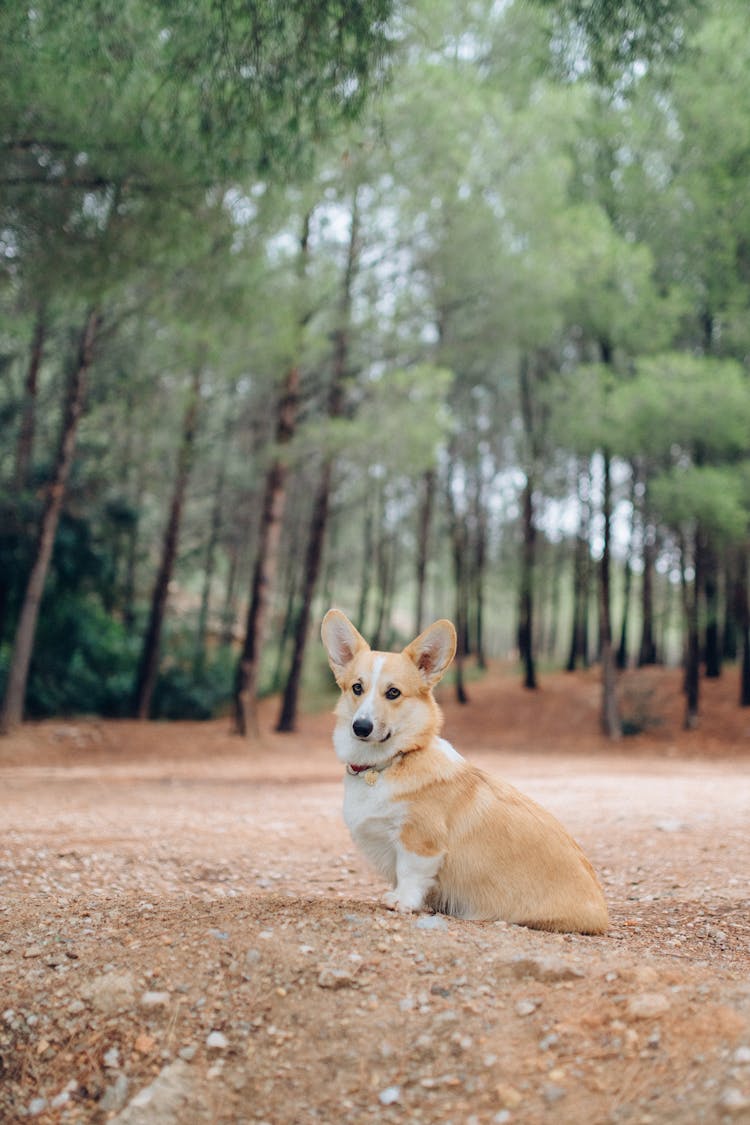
375	821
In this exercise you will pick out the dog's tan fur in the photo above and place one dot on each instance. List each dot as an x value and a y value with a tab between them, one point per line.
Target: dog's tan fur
488	851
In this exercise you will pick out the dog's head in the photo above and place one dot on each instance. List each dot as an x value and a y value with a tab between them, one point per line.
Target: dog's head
386	704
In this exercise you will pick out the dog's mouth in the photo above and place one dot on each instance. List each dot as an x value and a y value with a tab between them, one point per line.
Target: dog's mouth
357	769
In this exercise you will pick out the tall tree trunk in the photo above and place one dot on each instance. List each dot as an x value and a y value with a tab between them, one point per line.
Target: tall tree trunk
23	645
457	525
424	527
579	643
459	574
711	593
314	554
25	446
647	652
554	609
732	601
526	601
622	649
290	581
266	561
148	666
691	603
528	549
743	618
479	570
610	714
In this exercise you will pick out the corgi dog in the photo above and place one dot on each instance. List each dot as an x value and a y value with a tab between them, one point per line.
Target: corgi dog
446	836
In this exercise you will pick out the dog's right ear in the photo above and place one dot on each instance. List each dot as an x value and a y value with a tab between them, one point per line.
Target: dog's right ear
341	640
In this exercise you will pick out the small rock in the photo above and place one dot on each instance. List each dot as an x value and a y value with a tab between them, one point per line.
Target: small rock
734	1102
337	978
552	1093
115	1096
742	1056
390	1095
217	1041
525	1008
36	1105
144	1043
111	1058
669	825
508	1096
647	1006
154	999
165	1100
188	1053
29	952
431	922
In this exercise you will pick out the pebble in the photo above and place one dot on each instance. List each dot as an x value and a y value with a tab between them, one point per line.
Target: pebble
647	1006
154	999
431	922
188	1053
36	1106
390	1095
111	1058
115	1096
508	1096
734	1102
525	1008
336	978
163	1100
217	1041
742	1056
552	1093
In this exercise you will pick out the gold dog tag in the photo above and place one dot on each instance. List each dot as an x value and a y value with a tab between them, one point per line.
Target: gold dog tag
371	777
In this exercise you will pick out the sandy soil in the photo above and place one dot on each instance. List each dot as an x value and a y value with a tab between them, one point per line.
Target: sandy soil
188	935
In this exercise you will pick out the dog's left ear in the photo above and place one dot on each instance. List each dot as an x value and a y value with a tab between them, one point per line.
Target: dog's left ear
341	640
433	651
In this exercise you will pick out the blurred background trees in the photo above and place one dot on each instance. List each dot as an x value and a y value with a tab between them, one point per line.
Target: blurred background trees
421	309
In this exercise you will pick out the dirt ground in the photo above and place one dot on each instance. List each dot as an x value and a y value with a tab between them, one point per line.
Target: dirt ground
188	935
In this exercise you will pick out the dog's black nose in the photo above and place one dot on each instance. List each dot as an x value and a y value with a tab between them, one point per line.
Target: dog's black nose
362	728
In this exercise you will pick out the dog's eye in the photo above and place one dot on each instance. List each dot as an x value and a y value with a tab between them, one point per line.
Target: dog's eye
357	688
392	693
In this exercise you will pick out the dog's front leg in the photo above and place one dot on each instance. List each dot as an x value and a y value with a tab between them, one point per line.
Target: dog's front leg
415	877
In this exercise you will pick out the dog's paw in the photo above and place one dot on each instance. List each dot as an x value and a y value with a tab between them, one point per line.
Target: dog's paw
401	903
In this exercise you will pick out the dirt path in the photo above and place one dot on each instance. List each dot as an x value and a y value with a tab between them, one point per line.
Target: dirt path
187	935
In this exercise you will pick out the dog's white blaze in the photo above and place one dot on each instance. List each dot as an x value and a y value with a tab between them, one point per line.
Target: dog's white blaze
366	709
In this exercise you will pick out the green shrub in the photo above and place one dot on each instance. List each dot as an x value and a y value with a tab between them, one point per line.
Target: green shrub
84	661
186	692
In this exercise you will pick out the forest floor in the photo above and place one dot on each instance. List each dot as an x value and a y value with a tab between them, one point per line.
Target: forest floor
188	935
